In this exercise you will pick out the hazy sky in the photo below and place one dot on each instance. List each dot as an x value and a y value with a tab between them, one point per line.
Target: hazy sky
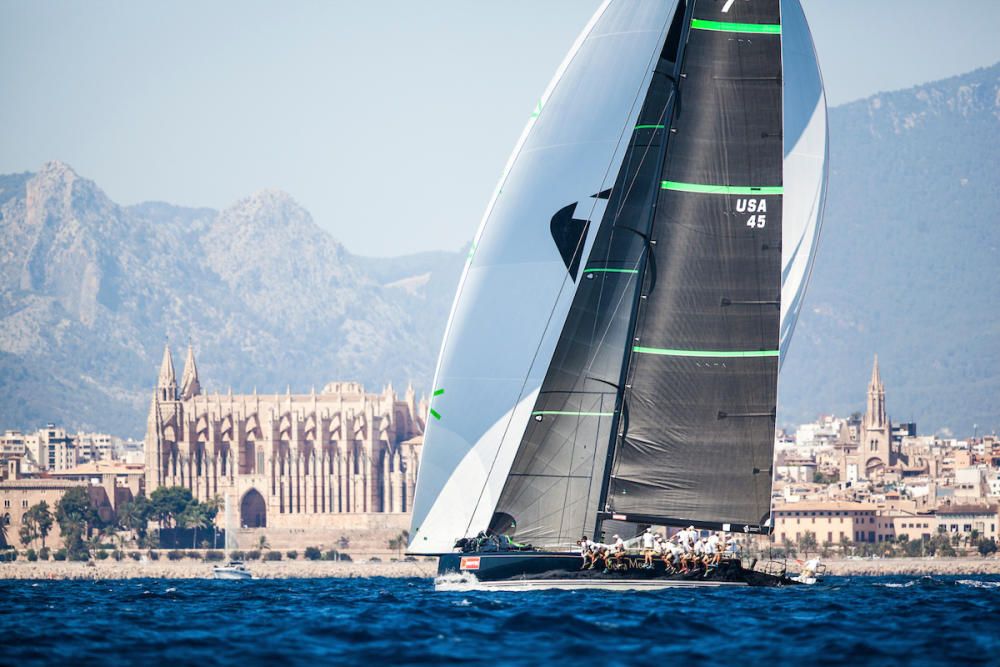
389	120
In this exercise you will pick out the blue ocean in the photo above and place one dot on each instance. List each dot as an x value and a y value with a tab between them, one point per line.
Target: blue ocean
879	621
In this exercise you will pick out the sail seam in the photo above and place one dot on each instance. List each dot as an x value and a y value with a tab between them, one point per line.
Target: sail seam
721	26
701	188
538	413
611	271
728	354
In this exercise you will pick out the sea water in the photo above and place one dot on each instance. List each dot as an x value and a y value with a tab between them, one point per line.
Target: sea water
283	622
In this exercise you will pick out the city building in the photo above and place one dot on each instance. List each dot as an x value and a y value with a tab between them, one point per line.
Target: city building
120	481
54	449
830	522
19	494
306	467
94	447
966	520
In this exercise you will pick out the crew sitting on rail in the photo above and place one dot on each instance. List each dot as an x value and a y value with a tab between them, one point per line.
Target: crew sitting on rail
617	553
585	552
648	544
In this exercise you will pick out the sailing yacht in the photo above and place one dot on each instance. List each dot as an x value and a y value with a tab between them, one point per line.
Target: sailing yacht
611	358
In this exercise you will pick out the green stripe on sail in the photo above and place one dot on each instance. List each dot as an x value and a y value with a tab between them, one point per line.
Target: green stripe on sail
649	127
720	26
699	188
435	414
572	414
706	353
611	271
439	392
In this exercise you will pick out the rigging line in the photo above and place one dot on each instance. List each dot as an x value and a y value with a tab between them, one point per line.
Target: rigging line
638	261
496	455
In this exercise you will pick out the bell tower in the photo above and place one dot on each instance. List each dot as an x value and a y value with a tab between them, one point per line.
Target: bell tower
875	447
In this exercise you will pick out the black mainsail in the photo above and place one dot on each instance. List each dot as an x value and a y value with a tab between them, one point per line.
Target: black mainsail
702	381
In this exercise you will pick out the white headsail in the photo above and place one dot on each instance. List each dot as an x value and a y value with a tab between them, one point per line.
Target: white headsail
518	284
806	163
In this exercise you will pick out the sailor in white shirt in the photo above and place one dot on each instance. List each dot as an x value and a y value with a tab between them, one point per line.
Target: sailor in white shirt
712	551
676	552
616	552
647	548
585	552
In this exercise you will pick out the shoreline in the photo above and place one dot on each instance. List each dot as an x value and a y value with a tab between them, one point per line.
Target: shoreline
197	569
423	569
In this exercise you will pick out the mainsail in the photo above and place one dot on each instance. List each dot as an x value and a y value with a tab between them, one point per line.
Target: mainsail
614	347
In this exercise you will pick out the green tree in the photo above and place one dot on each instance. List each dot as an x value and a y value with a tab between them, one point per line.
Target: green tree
195	516
134	516
807	543
823	478
76	517
42	518
987	547
788	548
29	531
399	542
262	543
168	503
4	522
74	510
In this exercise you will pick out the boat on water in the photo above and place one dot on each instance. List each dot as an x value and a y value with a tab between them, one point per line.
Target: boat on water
234	569
612	356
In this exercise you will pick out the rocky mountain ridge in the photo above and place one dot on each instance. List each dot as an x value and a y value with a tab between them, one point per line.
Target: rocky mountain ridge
90	290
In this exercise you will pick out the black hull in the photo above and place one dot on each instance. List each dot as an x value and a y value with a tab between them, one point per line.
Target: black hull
562	570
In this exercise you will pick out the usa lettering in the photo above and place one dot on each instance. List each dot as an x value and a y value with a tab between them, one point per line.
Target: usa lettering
751	206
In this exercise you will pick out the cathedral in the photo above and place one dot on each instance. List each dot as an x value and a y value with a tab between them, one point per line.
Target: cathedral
293	462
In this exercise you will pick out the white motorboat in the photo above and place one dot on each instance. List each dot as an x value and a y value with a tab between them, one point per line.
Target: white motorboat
234	569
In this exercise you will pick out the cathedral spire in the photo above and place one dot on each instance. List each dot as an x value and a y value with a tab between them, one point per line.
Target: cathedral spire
166	386
876	382
190	386
876	416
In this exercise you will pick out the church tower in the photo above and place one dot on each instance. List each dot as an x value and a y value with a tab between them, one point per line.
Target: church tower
190	386
163	426
876	430
166	384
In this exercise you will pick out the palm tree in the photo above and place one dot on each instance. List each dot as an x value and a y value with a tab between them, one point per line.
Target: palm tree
262	544
399	542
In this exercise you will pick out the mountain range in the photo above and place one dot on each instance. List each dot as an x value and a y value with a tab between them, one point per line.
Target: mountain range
91	290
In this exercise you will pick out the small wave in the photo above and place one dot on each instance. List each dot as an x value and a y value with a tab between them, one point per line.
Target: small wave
456	582
906	585
978	584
